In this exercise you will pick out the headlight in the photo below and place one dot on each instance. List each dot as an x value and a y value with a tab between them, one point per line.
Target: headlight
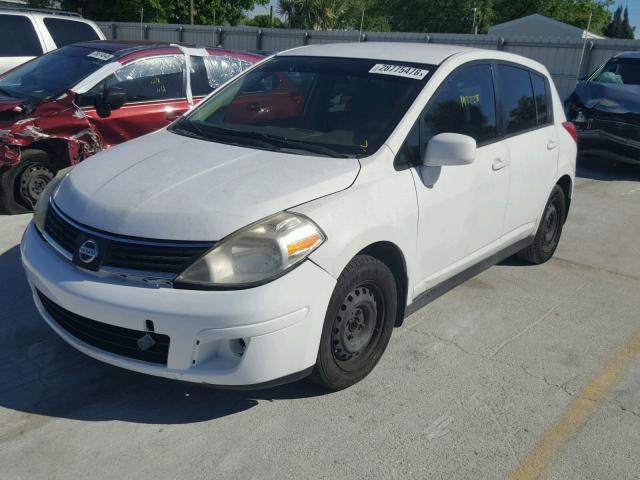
256	254
42	206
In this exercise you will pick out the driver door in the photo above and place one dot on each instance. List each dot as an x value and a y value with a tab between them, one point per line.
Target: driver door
155	89
461	208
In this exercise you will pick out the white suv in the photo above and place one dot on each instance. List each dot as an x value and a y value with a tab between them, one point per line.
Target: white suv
289	222
28	33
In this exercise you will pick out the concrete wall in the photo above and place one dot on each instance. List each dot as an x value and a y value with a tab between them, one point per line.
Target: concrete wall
561	55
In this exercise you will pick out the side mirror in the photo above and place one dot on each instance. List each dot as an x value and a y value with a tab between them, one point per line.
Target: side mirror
111	99
448	149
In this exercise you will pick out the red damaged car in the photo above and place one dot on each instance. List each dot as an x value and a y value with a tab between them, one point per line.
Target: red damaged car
62	107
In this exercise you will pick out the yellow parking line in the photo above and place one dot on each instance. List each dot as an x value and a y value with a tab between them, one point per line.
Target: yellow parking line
537	463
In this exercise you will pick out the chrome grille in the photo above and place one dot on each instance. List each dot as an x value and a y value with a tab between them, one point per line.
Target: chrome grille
129	254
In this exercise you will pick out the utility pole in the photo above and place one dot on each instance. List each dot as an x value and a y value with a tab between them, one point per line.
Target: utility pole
584	44
361	24
474	27
141	20
191	12
270	16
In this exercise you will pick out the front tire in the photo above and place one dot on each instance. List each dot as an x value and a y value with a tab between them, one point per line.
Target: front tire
22	184
358	323
549	231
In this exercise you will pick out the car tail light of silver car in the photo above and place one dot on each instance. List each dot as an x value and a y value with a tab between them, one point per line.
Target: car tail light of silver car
256	254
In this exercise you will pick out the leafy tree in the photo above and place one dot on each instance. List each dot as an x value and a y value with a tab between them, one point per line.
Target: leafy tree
313	14
229	12
264	21
573	12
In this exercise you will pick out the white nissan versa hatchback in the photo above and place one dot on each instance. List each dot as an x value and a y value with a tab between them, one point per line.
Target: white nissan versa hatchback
284	227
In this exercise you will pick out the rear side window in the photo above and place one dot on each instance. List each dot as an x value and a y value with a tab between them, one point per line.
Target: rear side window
542	99
65	32
518	104
464	103
18	37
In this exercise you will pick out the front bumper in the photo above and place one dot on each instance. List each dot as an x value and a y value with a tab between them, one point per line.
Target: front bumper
605	144
280	323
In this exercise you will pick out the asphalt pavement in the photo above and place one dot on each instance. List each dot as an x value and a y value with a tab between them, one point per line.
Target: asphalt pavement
522	372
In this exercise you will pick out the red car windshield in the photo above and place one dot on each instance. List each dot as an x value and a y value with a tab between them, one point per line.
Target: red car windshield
52	74
310	105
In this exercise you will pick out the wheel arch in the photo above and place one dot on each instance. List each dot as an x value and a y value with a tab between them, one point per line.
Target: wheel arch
566	184
391	255
56	148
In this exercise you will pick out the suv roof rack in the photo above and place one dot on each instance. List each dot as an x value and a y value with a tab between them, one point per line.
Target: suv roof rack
50	11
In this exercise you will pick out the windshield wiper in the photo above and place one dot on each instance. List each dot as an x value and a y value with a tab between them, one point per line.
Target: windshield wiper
212	133
285	142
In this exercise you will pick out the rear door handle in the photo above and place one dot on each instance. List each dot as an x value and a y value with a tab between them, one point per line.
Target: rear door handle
551	144
498	164
254	107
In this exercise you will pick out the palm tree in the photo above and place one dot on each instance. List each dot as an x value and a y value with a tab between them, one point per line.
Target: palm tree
313	14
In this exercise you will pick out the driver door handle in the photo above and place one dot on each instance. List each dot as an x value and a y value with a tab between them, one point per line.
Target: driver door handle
173	115
498	164
255	107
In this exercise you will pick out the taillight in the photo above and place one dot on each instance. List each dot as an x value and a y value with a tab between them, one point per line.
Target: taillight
571	128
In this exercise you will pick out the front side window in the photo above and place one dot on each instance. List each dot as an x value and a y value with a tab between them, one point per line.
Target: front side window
465	104
18	37
620	71
151	79
325	106
65	32
518	104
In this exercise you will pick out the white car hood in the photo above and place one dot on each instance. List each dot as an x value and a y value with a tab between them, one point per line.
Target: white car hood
166	186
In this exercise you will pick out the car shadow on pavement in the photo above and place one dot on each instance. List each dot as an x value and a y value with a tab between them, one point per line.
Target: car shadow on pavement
596	168
40	374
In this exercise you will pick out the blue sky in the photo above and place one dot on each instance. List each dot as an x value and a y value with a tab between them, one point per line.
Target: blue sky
634	11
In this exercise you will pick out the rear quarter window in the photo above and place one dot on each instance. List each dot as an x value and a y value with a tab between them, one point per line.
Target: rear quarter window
518	104
18	37
543	105
65	32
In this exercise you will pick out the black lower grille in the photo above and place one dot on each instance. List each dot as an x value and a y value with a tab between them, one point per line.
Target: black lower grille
118	340
121	252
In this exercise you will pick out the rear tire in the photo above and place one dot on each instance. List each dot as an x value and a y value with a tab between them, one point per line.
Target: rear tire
22	184
358	323
549	231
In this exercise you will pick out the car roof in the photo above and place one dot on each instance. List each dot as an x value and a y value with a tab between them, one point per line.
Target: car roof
628	55
390	51
123	47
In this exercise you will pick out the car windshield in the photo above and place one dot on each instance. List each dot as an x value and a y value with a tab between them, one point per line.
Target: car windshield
52	74
334	107
619	71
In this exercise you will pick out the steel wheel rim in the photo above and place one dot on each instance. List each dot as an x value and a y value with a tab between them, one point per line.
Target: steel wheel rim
357	326
551	224
33	181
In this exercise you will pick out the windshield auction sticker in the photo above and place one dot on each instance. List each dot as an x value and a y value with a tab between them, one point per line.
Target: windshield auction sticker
100	55
399	71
